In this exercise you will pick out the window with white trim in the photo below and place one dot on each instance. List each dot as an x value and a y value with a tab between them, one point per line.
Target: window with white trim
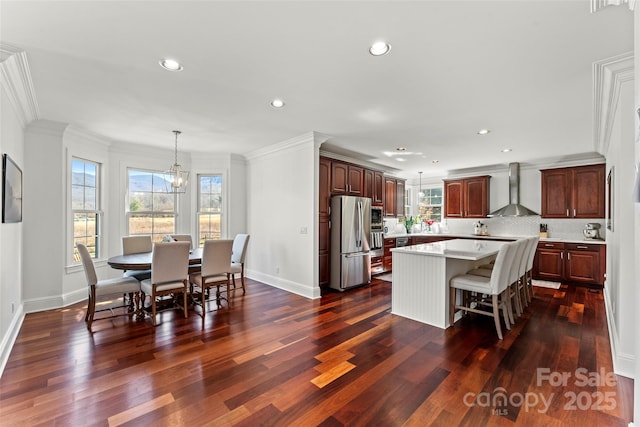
209	211
150	209
85	206
430	203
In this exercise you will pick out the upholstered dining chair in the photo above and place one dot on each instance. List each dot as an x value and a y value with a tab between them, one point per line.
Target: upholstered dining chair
216	257
193	268
101	288
528	276
495	287
238	256
169	273
137	245
183	238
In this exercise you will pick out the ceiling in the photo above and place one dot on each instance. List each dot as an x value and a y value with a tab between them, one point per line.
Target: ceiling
522	69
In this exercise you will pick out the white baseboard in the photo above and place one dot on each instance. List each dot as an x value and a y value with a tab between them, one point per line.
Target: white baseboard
285	285
623	364
35	305
10	337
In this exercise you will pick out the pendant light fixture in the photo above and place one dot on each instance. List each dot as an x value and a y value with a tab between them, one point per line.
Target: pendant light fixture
420	193
176	178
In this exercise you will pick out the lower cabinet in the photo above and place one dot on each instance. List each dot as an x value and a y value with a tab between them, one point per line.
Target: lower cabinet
377	265
387	258
573	262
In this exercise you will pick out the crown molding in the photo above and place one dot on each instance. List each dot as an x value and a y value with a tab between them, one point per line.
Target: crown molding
608	76
16	81
292	143
597	5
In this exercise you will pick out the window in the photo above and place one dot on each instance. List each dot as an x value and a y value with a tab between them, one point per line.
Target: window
430	203
151	210
85	206
209	215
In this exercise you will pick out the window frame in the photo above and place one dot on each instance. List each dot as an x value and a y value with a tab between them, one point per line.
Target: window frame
153	213
419	200
97	211
198	209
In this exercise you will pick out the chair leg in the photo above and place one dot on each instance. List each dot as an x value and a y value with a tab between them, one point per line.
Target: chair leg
452	305
184	299
505	303
92	307
204	304
153	307
244	290
496	315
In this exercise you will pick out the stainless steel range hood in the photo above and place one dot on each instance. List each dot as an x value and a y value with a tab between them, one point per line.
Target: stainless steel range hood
514	208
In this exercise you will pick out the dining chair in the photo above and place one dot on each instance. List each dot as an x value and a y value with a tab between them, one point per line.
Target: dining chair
528	279
215	271
101	288
137	245
169	273
193	268
183	238
484	291
238	256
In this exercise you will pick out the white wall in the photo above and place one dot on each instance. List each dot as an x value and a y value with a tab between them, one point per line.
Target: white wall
636	108
621	259
282	203
11	258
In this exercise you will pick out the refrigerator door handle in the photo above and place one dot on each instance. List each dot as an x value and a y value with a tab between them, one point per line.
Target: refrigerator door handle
359	228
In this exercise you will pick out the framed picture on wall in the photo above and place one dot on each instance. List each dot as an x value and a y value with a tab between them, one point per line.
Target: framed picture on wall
610	199
11	191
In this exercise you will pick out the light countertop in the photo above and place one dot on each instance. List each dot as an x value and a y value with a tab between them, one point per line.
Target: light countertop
457	248
491	237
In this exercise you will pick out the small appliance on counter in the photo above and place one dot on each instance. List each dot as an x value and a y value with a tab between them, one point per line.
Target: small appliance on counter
480	229
592	231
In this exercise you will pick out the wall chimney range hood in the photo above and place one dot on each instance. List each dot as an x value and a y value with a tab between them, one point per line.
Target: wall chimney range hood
514	208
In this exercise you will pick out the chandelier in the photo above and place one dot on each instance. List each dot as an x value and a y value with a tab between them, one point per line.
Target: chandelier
176	178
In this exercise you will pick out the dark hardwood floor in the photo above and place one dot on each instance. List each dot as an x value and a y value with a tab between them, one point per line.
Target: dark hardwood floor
275	358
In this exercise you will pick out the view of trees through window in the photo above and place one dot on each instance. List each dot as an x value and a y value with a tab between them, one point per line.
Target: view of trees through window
430	203
151	210
85	206
209	207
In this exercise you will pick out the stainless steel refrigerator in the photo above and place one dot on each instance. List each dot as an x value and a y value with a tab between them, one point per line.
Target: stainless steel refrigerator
350	229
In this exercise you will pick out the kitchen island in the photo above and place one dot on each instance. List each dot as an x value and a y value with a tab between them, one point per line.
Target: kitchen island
421	274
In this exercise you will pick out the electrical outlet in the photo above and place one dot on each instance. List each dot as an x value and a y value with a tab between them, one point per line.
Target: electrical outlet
303	230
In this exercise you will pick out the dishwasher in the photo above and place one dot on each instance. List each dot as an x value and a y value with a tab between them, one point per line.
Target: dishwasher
402	241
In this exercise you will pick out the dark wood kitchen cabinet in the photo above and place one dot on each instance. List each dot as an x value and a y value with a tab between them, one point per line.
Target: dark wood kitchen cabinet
374	186
346	179
387	258
573	262
467	198
576	192
324	202
394	197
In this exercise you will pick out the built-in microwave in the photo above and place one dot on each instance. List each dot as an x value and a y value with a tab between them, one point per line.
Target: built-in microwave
376	218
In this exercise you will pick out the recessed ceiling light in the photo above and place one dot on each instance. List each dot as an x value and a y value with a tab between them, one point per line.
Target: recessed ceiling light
277	103
506	150
170	64
483	131
379	48
400	159
401	149
435	161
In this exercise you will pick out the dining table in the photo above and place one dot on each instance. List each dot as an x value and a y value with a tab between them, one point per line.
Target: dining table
142	261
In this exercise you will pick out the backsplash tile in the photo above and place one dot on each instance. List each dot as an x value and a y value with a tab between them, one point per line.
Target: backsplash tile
569	229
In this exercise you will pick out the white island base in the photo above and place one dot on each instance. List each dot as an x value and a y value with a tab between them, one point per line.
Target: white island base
421	274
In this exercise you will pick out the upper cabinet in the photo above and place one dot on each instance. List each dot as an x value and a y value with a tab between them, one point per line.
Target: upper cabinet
346	179
394	196
467	198
374	186
576	192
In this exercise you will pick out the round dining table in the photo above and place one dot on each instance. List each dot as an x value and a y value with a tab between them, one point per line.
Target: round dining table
142	261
